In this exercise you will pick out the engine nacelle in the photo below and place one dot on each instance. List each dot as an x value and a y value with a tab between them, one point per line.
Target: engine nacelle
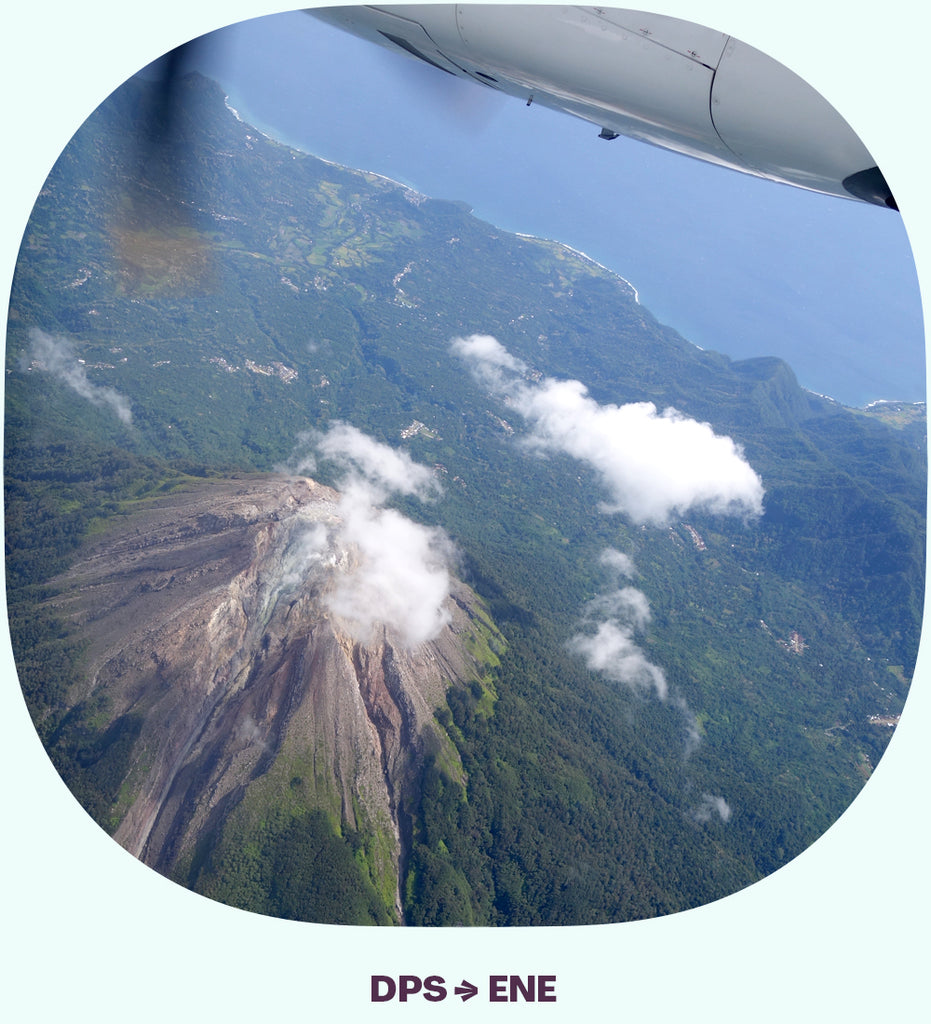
658	79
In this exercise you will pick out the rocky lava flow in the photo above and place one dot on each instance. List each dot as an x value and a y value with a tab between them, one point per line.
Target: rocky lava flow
206	617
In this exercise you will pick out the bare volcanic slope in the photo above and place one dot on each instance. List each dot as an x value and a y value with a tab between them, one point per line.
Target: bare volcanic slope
210	627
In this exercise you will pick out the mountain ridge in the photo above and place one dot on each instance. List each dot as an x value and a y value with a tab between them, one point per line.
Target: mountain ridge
199	616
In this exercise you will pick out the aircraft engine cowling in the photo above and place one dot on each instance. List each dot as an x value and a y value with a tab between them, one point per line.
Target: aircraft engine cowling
661	80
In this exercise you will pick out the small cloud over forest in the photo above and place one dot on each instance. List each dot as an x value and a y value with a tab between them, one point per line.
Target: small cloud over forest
57	355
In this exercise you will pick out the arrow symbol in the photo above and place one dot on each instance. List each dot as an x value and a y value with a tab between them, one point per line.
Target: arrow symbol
466	990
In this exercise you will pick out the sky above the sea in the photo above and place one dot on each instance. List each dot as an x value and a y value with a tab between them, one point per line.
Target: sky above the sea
735	264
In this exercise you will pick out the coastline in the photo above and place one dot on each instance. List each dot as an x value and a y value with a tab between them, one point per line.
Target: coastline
410	188
276	137
298	148
584	256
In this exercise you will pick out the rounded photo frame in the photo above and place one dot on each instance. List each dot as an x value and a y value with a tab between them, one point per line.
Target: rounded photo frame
872	783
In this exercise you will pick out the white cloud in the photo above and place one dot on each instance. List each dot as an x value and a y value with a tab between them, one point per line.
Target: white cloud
401	579
651	464
309	549
711	806
616	615
627	604
383	468
488	358
622	564
57	356
611	650
398	573
303	461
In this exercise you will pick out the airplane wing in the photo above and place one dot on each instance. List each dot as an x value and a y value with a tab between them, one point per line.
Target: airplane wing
650	77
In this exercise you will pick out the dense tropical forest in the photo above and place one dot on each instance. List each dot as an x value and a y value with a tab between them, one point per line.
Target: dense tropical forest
194	300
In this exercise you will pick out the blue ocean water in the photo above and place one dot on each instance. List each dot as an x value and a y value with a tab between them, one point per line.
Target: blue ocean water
734	264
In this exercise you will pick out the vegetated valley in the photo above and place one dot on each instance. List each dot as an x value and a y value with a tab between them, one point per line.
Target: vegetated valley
219	351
